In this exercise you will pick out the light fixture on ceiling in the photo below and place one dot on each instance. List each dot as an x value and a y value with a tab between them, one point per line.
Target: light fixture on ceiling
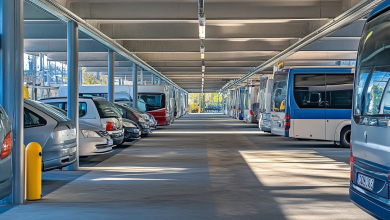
202	32
202	35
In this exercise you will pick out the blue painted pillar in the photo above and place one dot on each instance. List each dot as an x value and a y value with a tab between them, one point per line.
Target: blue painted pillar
11	87
73	83
135	85
111	76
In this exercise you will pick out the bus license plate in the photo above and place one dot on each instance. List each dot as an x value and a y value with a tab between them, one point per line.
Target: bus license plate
365	181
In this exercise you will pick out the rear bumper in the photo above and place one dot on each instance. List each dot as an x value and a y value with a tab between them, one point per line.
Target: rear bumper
5	188
265	126
132	134
59	162
371	206
94	146
117	138
161	120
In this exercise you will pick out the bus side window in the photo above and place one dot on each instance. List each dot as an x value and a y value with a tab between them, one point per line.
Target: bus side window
309	90
339	91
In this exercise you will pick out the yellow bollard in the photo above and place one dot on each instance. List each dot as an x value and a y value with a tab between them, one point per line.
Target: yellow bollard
34	171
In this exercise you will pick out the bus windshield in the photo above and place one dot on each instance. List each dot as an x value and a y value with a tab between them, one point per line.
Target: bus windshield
153	101
279	92
372	92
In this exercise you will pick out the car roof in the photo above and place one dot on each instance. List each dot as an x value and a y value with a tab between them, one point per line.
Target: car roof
80	97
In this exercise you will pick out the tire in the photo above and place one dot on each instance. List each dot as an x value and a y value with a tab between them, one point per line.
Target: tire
345	136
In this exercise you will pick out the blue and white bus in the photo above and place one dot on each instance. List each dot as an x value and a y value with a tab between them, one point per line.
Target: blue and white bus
370	145
313	103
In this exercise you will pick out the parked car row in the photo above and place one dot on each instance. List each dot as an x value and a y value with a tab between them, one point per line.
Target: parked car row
102	124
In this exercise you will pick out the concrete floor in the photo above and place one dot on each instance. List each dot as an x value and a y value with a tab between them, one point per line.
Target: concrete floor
204	166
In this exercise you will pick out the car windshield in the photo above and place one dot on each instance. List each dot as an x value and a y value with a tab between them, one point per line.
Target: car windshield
153	101
106	109
53	113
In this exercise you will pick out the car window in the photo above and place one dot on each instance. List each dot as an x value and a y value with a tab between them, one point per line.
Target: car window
56	115
32	119
121	111
106	109
64	106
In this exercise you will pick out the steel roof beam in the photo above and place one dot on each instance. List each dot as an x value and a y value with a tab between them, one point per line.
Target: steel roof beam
61	13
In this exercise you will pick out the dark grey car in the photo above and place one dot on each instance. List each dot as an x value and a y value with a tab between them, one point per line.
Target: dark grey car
6	154
53	131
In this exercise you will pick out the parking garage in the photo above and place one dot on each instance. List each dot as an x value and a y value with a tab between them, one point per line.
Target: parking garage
179	109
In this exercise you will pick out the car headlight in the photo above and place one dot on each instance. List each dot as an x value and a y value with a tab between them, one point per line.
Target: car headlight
90	134
129	125
145	117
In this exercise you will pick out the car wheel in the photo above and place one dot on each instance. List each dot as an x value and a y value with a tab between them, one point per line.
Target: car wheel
345	136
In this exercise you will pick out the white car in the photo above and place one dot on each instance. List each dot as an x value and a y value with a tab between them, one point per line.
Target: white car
97	111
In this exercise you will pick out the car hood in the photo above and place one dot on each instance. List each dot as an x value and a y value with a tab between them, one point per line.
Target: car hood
83	125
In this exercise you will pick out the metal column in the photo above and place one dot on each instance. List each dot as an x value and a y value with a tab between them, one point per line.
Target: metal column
111	78
73	83
135	85
80	76
152	76
142	76
11	87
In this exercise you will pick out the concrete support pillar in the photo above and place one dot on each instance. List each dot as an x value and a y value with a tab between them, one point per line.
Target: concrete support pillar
11	87
73	83
153	78
111	74
135	85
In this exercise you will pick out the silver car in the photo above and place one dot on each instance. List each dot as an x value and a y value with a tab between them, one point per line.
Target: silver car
6	154
93	140
53	131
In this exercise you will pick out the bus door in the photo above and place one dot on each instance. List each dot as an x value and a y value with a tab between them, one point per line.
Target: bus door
339	90
308	120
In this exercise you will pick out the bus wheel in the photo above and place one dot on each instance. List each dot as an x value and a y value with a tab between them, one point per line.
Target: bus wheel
345	136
